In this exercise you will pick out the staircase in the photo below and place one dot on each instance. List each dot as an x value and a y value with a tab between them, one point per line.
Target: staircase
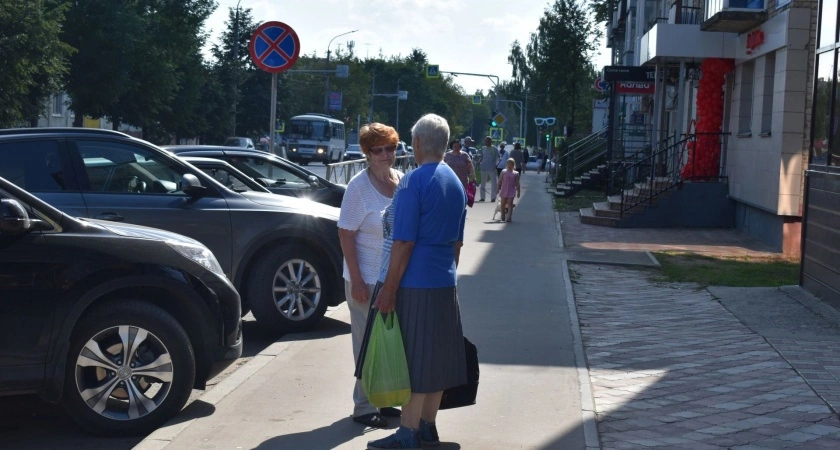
609	213
661	190
581	164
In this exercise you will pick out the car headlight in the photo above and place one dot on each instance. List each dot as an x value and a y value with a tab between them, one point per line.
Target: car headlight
294	149
320	150
198	253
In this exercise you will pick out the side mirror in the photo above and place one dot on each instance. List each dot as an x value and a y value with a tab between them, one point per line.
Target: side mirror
14	220
191	186
313	181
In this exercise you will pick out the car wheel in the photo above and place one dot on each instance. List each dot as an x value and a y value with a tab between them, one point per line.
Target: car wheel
130	368
287	289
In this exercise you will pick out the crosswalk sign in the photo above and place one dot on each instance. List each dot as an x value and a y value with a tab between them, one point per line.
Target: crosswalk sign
280	127
476	100
432	71
519	140
497	134
558	140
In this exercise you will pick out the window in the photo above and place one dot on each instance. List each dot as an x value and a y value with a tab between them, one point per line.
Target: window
828	23
35	166
229	180
58	104
119	168
260	168
767	95
746	101
821	121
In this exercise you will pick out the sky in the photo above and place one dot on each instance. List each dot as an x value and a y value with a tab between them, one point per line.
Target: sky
471	36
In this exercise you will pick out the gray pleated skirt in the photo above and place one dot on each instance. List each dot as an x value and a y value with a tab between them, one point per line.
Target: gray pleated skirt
430	321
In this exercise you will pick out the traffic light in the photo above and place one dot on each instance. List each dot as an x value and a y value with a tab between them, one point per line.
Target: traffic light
492	120
547	137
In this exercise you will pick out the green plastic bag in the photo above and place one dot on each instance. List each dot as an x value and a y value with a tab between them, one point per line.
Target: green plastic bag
385	371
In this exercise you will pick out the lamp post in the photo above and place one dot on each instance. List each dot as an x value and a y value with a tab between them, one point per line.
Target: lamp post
398	99
236	65
327	77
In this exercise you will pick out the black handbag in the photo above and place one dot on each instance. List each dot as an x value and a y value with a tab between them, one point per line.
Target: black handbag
465	394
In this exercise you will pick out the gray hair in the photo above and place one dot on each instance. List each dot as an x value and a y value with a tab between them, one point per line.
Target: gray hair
433	131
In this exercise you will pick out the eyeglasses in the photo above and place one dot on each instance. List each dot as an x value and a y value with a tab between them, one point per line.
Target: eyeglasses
387	148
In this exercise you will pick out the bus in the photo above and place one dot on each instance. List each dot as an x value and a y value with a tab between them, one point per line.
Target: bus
315	137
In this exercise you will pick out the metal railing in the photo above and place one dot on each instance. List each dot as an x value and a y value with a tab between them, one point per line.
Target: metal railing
642	181
582	155
343	172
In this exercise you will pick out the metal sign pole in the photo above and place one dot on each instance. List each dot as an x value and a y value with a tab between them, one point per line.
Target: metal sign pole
273	126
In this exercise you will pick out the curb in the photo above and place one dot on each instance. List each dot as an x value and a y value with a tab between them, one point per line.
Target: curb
587	401
170	430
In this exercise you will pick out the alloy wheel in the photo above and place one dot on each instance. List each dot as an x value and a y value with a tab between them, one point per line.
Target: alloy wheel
297	289
124	372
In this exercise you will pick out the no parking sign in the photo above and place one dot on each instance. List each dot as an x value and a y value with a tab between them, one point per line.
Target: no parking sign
274	47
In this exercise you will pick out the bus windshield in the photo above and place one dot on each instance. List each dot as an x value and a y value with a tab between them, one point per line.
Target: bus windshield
309	129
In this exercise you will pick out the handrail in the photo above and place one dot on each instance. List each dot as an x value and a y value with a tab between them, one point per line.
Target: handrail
344	171
662	171
582	153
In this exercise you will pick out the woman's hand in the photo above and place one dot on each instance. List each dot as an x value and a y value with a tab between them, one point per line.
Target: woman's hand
359	292
385	301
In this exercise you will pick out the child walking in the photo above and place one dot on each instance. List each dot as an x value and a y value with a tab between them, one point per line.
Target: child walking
508	186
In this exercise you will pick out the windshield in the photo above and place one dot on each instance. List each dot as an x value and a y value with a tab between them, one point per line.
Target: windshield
309	129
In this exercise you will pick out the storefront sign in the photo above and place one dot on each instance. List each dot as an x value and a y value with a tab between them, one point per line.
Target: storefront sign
629	73
754	39
634	87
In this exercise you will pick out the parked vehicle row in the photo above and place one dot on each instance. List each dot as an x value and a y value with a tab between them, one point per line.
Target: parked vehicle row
120	321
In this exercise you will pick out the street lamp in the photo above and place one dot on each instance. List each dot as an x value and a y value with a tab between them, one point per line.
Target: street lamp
236	63
327	76
398	99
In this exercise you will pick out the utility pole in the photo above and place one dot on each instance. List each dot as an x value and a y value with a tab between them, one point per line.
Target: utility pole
236	64
327	77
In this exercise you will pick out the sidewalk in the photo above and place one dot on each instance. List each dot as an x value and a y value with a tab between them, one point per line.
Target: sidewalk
297	393
675	366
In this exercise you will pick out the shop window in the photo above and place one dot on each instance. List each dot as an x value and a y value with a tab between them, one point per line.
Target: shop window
821	119
828	23
767	95
746	98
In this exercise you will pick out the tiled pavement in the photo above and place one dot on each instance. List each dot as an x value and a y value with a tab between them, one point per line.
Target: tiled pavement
670	367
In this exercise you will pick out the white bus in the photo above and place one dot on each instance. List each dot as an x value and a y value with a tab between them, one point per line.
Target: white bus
315	137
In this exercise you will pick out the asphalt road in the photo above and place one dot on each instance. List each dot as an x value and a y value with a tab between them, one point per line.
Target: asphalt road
26	422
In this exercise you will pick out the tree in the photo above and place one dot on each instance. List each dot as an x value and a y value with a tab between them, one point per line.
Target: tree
34	58
555	67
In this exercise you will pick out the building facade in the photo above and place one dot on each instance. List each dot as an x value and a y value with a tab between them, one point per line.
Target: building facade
765	97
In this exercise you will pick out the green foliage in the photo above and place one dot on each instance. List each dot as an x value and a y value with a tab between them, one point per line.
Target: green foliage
34	58
555	65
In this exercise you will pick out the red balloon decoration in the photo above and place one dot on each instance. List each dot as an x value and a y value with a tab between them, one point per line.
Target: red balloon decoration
704	155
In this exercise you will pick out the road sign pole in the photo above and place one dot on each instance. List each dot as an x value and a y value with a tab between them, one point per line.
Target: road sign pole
273	124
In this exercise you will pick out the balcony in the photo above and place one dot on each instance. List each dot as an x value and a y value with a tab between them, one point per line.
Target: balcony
733	16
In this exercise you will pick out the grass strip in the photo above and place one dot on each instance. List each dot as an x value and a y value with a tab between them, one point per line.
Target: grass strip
735	272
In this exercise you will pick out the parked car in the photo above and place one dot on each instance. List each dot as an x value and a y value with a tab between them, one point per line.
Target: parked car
354	152
242	142
118	322
279	175
226	174
281	253
401	149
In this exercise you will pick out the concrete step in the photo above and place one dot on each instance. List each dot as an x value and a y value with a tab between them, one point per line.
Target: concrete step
602	209
587	216
614	202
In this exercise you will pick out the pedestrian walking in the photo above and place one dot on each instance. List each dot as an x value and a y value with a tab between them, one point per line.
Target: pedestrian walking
540	160
503	156
460	162
468	147
525	158
517	156
360	234
488	160
425	230
508	187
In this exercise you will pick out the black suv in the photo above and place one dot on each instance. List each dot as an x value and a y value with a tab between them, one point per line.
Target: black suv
117	321
281	253
279	175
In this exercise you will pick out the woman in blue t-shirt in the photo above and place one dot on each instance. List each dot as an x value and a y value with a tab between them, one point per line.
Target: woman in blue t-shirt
424	232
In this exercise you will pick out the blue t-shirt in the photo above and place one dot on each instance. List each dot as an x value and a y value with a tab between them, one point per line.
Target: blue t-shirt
429	209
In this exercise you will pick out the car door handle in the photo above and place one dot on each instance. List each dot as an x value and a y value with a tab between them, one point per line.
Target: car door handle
113	217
